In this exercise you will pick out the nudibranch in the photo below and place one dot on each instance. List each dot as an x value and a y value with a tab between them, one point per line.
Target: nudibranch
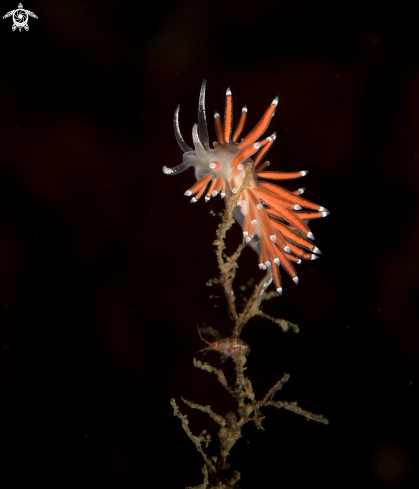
273	219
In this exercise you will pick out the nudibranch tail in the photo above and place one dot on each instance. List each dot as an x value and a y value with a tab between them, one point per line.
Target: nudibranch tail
273	219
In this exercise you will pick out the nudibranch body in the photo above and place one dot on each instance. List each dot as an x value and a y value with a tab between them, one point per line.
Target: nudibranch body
273	219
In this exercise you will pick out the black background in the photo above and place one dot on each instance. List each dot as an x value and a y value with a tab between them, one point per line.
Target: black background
103	261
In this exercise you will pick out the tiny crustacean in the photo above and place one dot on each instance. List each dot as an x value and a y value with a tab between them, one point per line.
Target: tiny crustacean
228	347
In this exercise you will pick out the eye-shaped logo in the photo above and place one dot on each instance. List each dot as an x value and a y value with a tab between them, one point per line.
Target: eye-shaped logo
20	17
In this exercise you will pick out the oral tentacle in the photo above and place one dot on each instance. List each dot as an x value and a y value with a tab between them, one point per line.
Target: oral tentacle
181	142
202	119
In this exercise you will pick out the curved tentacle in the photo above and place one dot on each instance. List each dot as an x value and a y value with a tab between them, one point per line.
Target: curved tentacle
200	151
181	142
202	119
179	168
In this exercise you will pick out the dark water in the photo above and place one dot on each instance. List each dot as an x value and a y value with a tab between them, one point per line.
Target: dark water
103	261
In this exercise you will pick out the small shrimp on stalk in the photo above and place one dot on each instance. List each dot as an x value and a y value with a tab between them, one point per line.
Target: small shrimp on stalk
228	347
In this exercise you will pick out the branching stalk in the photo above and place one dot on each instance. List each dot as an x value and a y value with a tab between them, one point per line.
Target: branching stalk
247	407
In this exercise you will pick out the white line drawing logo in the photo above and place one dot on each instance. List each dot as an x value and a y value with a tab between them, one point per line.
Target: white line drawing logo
20	17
